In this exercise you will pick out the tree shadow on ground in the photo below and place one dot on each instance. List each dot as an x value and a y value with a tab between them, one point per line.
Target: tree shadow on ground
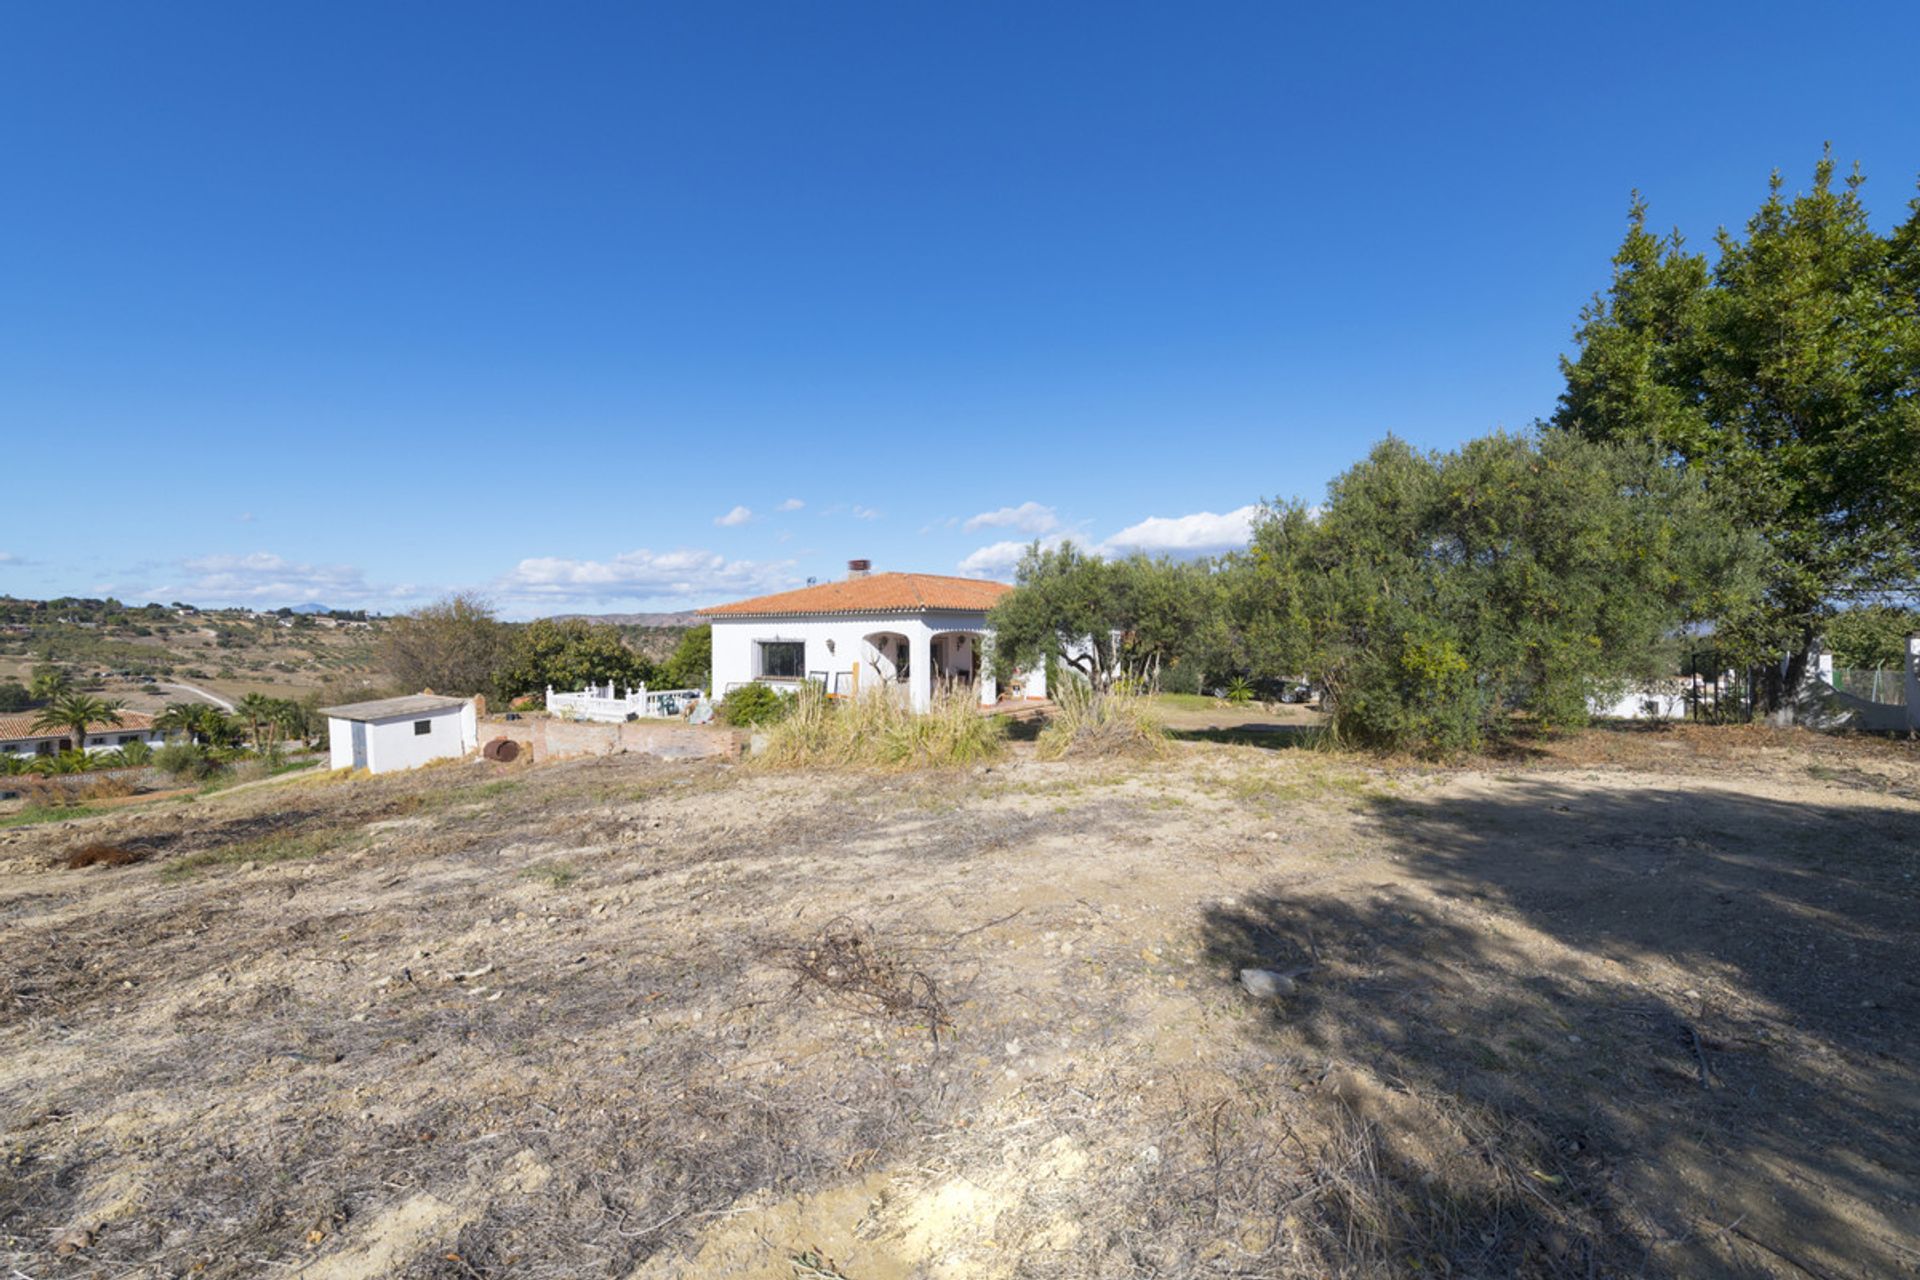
1274	736
1702	1006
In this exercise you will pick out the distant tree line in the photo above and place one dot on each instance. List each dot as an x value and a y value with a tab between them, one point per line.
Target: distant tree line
459	646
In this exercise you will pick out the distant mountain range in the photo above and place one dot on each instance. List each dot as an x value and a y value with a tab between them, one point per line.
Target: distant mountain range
680	621
311	607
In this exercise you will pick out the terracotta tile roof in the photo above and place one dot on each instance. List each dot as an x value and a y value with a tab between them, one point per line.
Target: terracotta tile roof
875	593
19	724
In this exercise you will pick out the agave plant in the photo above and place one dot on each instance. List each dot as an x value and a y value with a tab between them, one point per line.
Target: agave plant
1239	692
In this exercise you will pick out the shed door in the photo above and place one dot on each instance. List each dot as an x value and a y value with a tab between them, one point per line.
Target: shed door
359	745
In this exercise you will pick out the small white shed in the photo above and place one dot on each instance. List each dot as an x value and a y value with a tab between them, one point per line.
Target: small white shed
401	733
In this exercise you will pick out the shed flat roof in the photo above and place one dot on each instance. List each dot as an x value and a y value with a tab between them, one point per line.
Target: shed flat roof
414	704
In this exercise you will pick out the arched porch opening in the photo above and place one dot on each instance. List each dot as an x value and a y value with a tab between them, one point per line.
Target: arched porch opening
959	659
886	661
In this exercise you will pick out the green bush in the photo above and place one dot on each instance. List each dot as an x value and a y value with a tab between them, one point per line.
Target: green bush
753	705
1435	594
186	761
1181	677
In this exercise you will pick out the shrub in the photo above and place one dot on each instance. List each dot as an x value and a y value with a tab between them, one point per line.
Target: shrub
752	705
1180	677
186	761
1085	724
879	730
132	755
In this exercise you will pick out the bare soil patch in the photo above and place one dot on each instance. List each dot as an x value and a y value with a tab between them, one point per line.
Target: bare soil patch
1624	1004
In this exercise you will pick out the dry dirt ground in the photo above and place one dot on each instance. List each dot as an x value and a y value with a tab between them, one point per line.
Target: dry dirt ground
1631	1004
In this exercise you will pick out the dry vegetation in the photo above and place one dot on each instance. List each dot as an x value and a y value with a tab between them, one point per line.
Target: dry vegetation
1630	1004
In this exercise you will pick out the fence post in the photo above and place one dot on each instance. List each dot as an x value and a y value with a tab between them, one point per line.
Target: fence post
1913	682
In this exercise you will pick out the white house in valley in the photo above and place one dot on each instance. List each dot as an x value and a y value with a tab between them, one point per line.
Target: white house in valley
18	737
401	733
903	631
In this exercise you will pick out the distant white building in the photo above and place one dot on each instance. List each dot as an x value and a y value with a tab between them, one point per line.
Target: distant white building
18	737
401	733
872	630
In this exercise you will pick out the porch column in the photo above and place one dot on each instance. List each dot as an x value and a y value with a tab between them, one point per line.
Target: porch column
920	661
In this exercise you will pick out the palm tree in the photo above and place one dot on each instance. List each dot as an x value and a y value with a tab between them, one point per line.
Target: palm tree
291	719
256	707
214	725
71	762
51	682
182	718
76	711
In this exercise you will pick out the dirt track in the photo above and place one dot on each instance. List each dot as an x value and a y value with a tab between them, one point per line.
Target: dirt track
1639	1004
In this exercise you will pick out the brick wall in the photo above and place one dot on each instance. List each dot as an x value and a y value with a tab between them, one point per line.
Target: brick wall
550	739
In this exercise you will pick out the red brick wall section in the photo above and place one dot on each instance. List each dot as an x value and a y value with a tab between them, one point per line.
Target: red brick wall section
549	739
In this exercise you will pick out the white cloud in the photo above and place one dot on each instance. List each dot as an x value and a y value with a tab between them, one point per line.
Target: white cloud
791	504
265	577
1028	517
1200	534
692	575
7	557
737	516
865	513
246	517
999	559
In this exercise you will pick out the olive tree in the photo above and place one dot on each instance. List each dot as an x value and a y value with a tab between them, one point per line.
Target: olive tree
1433	594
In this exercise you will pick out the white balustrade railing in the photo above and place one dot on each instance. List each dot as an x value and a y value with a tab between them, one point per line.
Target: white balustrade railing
609	706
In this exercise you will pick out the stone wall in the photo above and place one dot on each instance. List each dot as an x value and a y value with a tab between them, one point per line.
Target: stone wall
550	739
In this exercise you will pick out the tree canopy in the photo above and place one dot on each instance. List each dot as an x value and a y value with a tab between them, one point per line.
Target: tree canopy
1433	593
1873	635
453	646
1785	378
1101	619
568	654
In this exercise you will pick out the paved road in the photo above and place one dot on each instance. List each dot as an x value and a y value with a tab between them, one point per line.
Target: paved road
214	698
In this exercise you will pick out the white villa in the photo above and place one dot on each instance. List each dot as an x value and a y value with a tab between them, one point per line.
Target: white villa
888	630
18	737
400	733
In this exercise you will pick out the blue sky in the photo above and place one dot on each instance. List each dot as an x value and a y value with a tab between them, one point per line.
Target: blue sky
610	307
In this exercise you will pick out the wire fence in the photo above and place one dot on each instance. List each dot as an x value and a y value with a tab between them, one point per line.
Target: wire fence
1882	684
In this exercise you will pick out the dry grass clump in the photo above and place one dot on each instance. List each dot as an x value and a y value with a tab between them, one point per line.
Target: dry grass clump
879	730
1088	725
58	792
103	855
1236	1189
847	961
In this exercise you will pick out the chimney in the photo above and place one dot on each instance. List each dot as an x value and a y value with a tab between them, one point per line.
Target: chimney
859	568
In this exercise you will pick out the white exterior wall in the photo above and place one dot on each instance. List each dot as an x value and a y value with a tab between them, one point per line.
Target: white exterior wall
339	743
836	645
1643	704
392	744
